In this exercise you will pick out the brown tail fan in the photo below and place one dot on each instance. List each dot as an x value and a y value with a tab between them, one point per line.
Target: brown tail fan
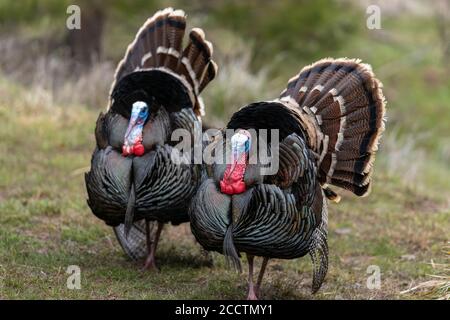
343	101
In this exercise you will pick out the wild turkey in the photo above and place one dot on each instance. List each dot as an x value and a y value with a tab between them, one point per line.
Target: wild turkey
134	175
329	120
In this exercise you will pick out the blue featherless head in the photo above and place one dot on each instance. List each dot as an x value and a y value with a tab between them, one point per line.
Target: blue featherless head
139	112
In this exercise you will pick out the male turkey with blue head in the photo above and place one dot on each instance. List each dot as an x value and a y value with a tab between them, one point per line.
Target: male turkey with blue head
135	178
329	120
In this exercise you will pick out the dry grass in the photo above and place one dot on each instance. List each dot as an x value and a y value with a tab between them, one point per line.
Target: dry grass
439	285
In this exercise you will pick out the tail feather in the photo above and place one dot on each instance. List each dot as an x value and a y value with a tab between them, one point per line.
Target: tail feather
158	45
203	50
175	33
345	105
196	57
208	75
161	40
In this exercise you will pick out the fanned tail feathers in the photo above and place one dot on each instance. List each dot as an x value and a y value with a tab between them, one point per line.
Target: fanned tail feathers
158	45
343	108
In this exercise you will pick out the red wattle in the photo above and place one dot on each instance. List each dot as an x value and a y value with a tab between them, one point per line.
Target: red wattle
225	188
233	180
138	149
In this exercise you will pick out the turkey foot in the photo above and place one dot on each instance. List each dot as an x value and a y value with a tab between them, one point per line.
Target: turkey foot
251	293
150	262
251	286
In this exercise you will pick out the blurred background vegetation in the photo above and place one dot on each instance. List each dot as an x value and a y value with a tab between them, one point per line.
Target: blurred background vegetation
53	83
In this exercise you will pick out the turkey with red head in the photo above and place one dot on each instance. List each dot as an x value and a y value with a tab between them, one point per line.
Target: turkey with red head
329	120
135	175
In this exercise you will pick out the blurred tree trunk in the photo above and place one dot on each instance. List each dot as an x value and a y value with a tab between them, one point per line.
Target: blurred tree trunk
85	44
443	27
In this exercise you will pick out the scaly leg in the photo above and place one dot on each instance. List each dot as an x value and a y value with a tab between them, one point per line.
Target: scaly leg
261	274
251	285
150	262
148	239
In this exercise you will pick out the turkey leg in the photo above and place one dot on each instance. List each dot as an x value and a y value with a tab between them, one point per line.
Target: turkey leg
150	262
251	285
261	274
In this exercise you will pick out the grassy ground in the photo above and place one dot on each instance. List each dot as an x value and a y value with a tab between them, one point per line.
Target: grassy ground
45	226
46	143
